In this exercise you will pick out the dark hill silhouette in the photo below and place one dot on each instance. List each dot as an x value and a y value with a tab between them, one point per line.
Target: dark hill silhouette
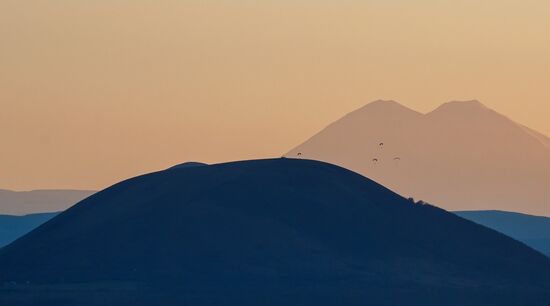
266	232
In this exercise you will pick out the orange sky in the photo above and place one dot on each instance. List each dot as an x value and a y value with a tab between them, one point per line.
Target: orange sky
92	92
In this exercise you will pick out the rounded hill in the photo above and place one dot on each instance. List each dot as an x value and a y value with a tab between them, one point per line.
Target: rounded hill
266	232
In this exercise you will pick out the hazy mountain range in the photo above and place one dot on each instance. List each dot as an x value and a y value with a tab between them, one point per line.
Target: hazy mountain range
13	227
531	230
266	232
39	201
461	156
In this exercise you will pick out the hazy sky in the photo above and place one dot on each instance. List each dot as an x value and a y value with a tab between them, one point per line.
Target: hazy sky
92	92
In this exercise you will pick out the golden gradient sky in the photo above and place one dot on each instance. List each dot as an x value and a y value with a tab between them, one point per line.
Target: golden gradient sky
92	92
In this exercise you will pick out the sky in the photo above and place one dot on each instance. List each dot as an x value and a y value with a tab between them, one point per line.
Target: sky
93	92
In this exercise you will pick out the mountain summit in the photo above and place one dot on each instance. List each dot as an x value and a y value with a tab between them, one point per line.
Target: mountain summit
461	156
266	232
462	105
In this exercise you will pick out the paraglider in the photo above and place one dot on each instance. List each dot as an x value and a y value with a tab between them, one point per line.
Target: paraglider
397	158
375	160
299	153
381	144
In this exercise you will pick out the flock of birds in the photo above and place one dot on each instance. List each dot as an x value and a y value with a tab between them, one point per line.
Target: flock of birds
374	160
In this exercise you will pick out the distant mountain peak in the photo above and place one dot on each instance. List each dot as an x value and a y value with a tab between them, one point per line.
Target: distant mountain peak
468	105
382	101
386	107
473	102
461	155
385	103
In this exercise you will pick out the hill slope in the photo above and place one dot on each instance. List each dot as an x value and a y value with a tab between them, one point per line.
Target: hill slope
267	232
461	156
531	230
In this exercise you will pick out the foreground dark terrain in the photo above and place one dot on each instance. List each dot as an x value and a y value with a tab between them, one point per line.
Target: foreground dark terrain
267	232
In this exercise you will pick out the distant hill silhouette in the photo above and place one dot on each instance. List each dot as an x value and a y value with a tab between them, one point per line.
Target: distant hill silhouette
461	156
39	201
531	230
13	227
266	232
188	165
